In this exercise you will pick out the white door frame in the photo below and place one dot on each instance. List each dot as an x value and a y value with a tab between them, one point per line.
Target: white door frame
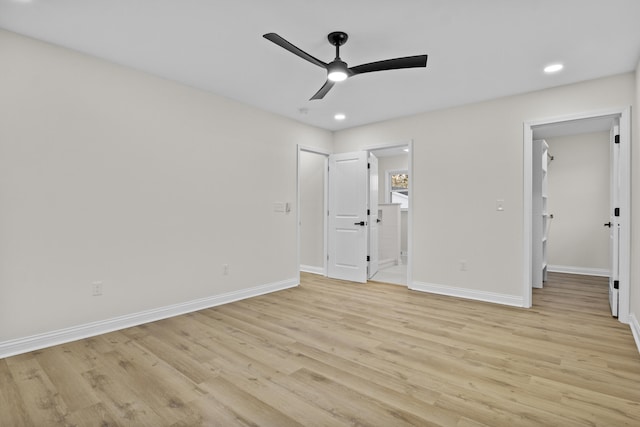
373	184
625	200
301	148
408	144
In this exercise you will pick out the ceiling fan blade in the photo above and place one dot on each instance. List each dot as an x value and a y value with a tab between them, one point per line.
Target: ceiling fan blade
391	64
293	49
323	90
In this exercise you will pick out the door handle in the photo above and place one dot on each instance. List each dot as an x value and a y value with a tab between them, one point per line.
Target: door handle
378	220
361	223
608	224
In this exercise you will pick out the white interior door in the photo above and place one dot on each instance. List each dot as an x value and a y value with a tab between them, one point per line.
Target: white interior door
614	220
538	210
373	215
348	222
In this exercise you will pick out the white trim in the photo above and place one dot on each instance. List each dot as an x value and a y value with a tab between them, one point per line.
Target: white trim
312	269
527	222
635	329
313	150
74	333
625	200
512	300
410	248
398	144
624	257
586	271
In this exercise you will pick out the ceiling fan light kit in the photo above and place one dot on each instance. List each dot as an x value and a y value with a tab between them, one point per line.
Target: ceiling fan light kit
338	70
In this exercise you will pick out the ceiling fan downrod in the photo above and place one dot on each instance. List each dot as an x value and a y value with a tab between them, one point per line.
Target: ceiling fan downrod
337	39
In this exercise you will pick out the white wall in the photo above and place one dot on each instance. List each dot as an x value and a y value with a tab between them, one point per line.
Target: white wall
635	212
312	211
109	174
579	200
465	159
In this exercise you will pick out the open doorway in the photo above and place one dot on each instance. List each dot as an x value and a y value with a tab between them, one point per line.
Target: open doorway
607	251
393	212
579	193
335	174
312	208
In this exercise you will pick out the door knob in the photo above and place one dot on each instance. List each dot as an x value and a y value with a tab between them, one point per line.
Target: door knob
608	224
361	223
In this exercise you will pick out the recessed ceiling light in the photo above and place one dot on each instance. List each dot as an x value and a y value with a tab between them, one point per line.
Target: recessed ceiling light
339	116
553	68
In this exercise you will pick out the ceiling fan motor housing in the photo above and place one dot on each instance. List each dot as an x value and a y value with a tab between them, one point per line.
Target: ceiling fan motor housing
338	38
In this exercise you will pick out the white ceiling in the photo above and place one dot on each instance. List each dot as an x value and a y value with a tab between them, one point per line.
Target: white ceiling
477	50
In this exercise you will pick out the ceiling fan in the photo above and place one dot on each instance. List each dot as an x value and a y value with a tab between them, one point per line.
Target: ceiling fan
337	69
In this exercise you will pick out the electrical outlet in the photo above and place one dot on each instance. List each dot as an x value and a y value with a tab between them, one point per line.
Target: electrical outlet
225	269
96	289
463	265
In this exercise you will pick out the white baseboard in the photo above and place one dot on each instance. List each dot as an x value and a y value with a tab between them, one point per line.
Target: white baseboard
451	291
635	329
312	269
61	336
603	272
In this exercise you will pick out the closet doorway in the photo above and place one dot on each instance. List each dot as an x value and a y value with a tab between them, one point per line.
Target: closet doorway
601	251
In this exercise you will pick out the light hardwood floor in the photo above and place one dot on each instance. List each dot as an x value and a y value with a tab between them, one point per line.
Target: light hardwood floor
332	353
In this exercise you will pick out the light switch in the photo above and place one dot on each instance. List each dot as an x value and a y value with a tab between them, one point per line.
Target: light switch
500	205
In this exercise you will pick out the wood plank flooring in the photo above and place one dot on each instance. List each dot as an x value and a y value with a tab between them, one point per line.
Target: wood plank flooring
332	353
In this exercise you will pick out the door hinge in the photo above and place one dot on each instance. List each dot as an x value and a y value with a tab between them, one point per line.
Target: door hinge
368	165
616	212
616	139
368	258
616	284
368	212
